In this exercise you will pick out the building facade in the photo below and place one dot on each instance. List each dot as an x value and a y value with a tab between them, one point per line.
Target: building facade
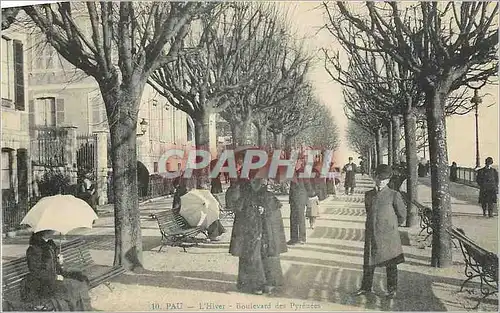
15	118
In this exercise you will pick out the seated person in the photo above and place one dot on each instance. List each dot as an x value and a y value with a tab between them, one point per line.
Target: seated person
215	229
47	280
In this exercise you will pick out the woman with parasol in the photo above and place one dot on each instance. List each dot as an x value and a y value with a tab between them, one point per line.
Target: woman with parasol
47	278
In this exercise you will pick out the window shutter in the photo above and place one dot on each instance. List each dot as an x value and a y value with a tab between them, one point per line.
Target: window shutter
19	75
32	122
59	112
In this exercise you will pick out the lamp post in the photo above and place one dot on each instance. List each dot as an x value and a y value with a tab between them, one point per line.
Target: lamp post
476	100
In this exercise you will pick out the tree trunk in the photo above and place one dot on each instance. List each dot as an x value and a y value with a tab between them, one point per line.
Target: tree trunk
389	143
378	146
233	134
288	146
369	169
278	140
441	207
410	127
396	135
261	134
202	138
128	237
241	130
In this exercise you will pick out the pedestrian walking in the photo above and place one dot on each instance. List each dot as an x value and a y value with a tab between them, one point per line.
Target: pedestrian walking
421	168
362	167
385	210
258	239
300	192
453	172
487	179
350	180
87	191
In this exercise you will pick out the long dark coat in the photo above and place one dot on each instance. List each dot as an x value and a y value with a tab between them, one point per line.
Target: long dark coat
487	179
350	178
70	294
385	210
249	226
300	191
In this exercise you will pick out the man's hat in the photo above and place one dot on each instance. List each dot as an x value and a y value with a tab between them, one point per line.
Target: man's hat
383	171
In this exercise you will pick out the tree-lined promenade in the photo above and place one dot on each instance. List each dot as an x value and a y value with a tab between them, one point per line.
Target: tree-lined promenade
411	63
406	64
239	60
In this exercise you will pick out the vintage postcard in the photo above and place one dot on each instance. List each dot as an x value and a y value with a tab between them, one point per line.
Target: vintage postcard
249	156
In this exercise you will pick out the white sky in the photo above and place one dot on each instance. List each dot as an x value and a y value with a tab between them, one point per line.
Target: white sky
460	129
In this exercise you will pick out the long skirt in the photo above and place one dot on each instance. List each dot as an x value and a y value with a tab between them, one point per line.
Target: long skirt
215	229
72	295
256	271
69	294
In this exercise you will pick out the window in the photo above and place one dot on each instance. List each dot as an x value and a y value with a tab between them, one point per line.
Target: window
155	167
7	69
97	114
45	58
6	169
45	112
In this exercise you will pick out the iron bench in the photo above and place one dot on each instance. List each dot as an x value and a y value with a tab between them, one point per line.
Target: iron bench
479	263
175	231
76	257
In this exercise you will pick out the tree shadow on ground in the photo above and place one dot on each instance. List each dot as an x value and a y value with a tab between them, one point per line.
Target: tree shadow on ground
313	280
187	280
327	280
354	234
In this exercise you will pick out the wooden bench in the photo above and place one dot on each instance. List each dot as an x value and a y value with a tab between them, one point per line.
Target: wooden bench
175	231
479	263
76	257
425	215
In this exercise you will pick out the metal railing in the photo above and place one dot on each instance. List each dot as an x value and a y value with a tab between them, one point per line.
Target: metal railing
467	176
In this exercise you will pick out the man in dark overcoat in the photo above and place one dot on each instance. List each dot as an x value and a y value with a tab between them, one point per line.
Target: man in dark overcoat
487	179
350	180
385	211
300	191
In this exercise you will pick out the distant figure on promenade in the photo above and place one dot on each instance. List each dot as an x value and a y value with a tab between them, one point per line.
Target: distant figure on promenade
487	179
453	172
216	185
422	168
87	191
332	180
350	179
300	192
385	210
362	167
258	238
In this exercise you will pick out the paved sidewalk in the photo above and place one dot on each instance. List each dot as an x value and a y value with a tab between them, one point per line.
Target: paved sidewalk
466	213
319	276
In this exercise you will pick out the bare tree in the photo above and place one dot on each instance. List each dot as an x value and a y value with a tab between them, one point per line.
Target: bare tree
360	141
446	45
322	133
228	48
129	41
282	76
9	16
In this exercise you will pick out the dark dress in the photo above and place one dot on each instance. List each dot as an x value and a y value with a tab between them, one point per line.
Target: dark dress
487	179
350	172
69	294
216	185
453	173
258	240
89	194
